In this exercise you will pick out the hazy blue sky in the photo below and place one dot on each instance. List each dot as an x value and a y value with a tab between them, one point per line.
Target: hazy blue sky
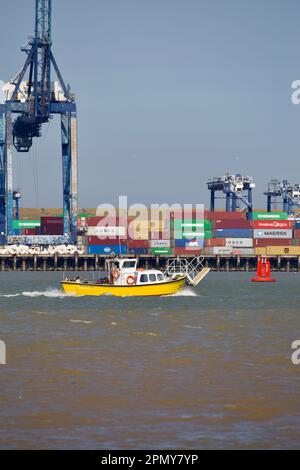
170	93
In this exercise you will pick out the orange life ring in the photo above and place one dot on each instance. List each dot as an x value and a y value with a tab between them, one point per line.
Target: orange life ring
116	274
130	280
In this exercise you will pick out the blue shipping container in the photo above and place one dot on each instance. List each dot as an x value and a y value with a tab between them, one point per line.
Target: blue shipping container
137	251
297	225
106	249
233	233
181	243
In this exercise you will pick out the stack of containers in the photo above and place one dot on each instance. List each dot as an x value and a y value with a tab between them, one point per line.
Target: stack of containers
159	236
272	232
189	233
51	225
232	234
106	235
26	227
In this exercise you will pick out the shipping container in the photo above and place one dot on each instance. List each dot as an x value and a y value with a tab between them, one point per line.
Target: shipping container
233	233
297	233
106	249
181	251
243	251
232	224
219	250
283	250
161	251
137	251
269	216
181	243
28	231
106	241
260	251
223	215
211	242
260	242
272	224
239	242
109	231
137	243
297	224
20	224
160	243
295	242
257	233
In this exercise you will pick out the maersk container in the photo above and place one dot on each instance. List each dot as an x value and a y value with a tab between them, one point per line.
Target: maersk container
106	249
269	216
233	233
272	233
239	242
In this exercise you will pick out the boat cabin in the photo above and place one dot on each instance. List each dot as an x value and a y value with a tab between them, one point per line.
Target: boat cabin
124	272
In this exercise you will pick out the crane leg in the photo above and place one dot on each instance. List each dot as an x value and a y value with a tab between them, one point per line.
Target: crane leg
2	173
8	156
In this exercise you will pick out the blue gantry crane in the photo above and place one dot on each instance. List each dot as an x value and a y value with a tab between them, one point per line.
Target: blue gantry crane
287	193
32	99
237	190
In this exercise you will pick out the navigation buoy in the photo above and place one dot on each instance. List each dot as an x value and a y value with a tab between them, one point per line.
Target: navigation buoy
263	273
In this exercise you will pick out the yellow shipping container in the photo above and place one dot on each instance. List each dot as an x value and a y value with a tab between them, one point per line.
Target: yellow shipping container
260	251
283	250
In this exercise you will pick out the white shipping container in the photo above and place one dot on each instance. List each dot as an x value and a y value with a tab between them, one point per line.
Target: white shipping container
109	231
160	244
258	233
239	242
243	251
222	250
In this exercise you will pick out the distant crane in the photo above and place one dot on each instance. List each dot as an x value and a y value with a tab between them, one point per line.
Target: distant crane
288	194
237	189
35	100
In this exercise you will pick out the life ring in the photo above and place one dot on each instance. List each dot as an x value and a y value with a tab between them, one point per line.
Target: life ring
130	280
115	274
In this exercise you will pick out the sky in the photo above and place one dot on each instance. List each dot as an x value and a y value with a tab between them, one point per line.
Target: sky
170	93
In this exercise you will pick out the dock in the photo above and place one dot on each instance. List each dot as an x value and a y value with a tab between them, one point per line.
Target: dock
76	262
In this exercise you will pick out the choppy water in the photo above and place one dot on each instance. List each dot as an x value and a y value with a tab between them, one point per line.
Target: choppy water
208	368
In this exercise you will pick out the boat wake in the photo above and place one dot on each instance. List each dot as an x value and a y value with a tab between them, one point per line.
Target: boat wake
53	293
185	292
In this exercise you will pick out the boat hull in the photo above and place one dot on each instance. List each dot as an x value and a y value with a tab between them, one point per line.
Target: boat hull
163	288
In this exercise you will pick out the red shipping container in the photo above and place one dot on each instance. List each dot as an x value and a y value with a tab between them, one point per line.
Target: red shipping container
224	215
137	243
272	224
260	242
214	242
49	220
106	221
105	241
297	233
229	223
28	231
185	252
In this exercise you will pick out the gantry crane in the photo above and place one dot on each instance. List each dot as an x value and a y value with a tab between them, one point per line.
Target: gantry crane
288	193
32	98
237	189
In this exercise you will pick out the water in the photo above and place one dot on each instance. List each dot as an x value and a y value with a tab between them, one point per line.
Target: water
208	368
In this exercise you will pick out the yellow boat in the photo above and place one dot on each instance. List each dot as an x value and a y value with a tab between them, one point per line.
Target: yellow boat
124	279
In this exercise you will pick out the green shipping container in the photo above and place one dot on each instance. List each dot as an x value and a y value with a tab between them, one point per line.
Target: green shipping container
270	216
161	251
19	224
192	233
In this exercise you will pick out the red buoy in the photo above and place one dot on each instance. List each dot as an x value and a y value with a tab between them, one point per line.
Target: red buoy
263	271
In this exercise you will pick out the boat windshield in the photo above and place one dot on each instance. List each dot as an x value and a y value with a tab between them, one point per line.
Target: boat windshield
128	264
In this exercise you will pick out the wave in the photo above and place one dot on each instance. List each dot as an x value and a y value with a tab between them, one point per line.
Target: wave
53	293
185	292
9	295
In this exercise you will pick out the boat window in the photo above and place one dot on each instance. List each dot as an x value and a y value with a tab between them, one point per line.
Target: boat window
152	277
160	277
144	278
129	264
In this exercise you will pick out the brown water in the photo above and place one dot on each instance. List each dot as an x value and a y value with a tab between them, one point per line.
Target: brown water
209	369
